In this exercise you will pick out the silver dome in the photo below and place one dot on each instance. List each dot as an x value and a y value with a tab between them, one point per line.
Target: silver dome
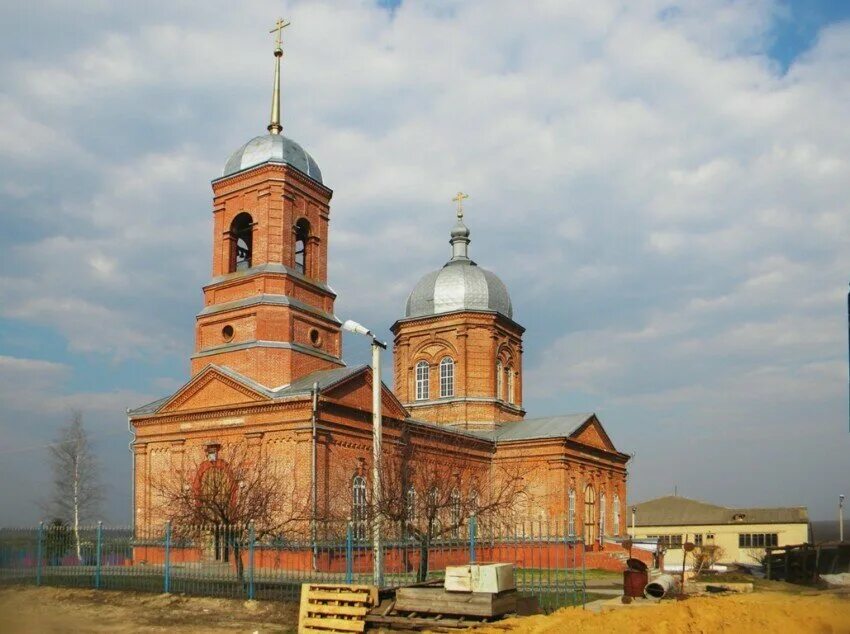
459	285
272	148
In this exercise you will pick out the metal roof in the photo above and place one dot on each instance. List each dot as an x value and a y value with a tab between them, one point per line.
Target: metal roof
272	148
547	427
674	510
299	387
459	285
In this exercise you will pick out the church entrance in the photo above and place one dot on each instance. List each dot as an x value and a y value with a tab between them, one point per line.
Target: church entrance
589	516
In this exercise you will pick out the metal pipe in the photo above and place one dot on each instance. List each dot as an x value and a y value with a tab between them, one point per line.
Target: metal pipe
314	485
376	462
659	587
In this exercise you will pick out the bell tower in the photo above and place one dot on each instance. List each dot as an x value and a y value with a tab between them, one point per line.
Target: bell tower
268	310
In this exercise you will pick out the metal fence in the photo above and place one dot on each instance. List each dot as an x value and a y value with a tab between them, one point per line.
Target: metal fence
229	561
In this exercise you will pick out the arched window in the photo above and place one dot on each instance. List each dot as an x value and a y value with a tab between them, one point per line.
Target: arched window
589	515
616	513
571	513
602	517
302	233
499	380
447	377
410	505
241	242
358	506
457	519
510	385
423	377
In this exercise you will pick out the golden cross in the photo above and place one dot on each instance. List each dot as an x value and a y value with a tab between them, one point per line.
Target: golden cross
279	26
459	200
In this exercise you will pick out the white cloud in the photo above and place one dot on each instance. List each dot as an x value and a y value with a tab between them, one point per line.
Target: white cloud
667	208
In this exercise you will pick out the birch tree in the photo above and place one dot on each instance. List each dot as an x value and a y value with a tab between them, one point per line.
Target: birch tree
77	490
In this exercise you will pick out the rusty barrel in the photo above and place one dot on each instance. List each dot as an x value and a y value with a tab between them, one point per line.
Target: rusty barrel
635	577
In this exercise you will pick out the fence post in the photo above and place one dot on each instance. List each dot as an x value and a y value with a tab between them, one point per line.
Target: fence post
251	540
38	553
349	554
167	579
472	530
97	555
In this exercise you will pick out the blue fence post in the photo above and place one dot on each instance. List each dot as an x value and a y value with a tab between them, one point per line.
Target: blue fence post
167	579
349	554
251	540
39	542
97	555
472	530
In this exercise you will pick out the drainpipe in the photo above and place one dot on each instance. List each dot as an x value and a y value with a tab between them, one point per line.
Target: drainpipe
314	485
133	473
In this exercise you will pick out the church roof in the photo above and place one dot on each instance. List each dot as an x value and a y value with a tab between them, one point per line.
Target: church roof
272	148
459	285
674	510
547	427
300	387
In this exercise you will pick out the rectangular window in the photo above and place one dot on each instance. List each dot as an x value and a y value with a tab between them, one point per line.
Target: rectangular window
670	542
698	540
757	540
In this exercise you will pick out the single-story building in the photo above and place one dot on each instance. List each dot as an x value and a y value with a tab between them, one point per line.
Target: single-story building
741	534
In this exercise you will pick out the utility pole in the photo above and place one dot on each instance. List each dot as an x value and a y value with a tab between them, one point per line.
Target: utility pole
377	346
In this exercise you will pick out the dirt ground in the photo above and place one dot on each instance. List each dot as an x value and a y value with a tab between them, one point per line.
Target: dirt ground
780	612
53	610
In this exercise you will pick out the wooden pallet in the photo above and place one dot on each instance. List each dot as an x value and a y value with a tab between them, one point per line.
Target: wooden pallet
327	607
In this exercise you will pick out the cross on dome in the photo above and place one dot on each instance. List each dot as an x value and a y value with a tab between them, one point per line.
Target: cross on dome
278	27
459	200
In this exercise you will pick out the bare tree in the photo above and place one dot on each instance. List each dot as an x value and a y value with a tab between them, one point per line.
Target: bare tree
229	491
433	496
77	490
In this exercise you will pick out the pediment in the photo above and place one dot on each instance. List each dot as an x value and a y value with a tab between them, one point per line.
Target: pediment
593	434
212	388
356	392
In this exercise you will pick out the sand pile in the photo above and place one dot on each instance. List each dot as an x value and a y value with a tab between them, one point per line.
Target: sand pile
759	612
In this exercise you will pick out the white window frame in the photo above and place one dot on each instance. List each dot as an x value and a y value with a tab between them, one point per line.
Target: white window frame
602	518
616	513
422	376
411	504
571	513
455	509
499	380
358	506
510	372
447	377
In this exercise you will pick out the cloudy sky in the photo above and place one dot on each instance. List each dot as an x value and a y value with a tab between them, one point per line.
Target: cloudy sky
663	186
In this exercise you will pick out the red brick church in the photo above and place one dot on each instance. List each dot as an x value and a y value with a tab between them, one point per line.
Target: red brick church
268	369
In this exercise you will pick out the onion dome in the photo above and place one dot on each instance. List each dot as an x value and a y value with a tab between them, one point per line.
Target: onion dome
459	285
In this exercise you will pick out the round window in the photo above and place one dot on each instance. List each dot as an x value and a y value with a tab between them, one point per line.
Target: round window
315	337
227	332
